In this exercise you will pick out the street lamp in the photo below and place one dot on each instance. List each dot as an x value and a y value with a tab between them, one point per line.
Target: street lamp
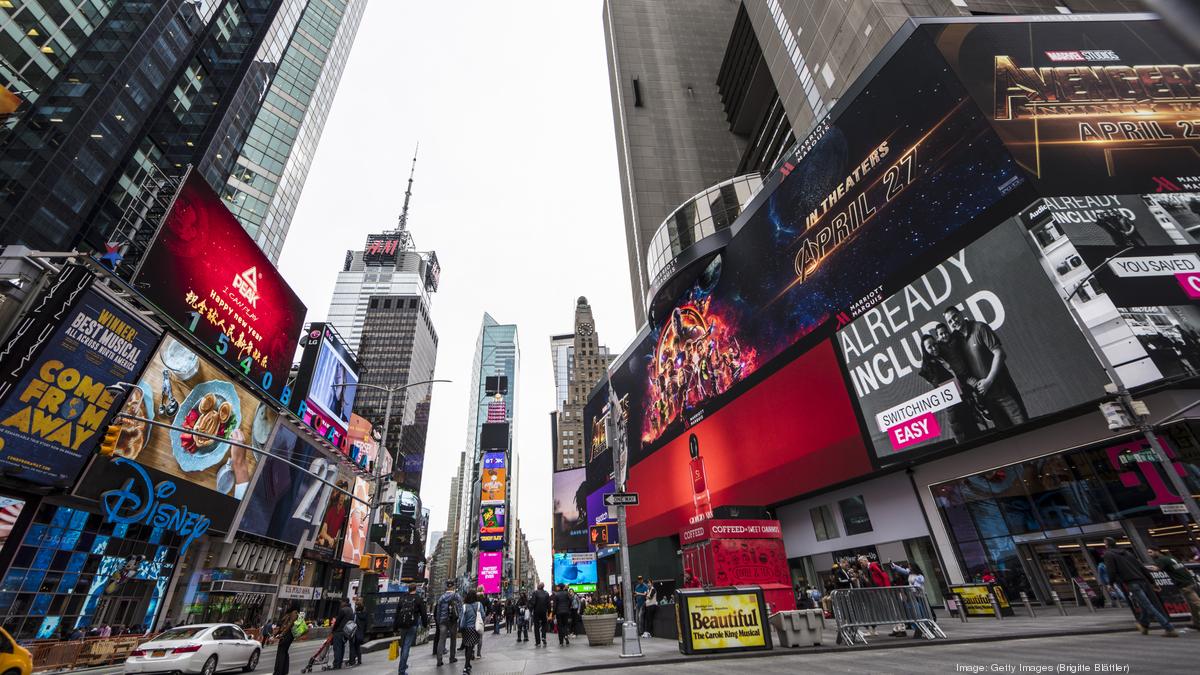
631	639
387	417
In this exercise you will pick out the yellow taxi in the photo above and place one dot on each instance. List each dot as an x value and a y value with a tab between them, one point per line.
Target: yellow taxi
14	659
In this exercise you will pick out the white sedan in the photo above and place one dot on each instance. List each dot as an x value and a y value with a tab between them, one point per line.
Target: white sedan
201	648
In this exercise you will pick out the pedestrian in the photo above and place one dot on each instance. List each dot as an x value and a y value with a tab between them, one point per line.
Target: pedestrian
447	612
486	604
562	614
1125	569
510	615
690	580
540	601
915	578
284	636
472	618
651	610
1184	580
411	616
360	632
342	632
640	592
523	616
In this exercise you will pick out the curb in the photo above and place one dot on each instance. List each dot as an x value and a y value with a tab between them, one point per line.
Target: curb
784	651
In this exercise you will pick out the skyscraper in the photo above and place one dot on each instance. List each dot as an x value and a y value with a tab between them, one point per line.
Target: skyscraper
588	361
491	406
104	102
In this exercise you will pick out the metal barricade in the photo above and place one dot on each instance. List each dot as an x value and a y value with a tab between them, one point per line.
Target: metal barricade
858	608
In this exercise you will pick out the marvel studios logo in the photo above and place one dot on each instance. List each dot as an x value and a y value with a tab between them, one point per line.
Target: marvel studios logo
1084	55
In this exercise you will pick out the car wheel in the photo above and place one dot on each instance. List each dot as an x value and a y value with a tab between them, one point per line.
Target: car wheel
12	671
210	666
252	664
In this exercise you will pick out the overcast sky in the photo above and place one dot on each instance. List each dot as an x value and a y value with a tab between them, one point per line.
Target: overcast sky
516	189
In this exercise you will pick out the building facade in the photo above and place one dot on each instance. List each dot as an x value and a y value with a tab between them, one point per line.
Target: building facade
108	100
587	362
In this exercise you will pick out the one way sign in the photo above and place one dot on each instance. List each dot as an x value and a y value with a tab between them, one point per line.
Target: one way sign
621	499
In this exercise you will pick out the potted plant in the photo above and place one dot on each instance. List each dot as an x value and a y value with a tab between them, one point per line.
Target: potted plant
600	623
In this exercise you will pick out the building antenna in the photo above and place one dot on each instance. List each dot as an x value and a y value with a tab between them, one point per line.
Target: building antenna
403	225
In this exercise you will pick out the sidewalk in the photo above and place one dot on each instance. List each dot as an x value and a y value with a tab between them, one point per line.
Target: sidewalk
503	654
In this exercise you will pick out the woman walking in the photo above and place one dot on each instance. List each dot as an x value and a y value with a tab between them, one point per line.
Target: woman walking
471	637
283	633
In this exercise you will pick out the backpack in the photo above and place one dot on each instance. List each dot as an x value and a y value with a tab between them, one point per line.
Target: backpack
299	626
350	628
406	613
446	602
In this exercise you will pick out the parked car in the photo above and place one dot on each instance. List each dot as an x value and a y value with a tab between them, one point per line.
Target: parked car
14	659
201	648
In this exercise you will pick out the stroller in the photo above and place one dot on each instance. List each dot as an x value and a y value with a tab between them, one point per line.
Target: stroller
321	657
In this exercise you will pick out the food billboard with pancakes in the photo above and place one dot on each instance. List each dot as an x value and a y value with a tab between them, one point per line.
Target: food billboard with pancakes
182	389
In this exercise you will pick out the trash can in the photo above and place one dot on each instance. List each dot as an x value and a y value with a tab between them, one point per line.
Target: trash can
799	628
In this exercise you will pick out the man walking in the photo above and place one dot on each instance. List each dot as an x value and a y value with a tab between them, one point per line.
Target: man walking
562	614
342	633
1123	568
540	604
410	618
446	613
1184	580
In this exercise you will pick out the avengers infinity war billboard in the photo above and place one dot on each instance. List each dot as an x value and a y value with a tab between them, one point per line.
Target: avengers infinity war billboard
205	273
1086	107
877	194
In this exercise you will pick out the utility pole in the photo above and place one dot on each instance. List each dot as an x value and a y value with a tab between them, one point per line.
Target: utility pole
631	639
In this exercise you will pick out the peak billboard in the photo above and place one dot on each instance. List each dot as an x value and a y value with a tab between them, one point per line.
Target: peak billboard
210	277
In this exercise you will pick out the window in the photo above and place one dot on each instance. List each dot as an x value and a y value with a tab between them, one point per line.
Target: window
823	523
854	515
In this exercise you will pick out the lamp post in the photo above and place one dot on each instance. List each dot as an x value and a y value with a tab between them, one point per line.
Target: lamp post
631	639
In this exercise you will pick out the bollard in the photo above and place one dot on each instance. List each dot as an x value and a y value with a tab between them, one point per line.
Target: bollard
1028	607
1058	603
962	607
995	605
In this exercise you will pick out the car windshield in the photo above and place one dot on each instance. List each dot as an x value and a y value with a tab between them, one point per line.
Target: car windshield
181	633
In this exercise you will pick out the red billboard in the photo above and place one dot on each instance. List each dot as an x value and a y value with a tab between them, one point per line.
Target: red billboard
206	273
793	433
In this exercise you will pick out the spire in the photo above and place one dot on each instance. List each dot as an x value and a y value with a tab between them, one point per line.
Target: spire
403	225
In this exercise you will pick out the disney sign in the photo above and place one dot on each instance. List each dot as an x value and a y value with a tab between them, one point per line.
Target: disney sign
139	500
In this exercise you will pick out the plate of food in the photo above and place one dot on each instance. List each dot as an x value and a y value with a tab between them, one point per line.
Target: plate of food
211	408
134	433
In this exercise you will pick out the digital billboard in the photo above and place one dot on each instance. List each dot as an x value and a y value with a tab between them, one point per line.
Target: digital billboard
182	388
1086	107
904	172
326	542
491	519
570	510
598	521
285	504
491	567
492	485
1138	307
574	569
326	384
208	275
963	351
355	540
50	422
361	445
795	432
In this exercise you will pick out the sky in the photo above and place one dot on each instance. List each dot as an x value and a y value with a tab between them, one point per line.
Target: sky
516	189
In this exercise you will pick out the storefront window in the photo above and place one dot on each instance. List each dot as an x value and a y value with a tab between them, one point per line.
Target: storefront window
854	515
823	523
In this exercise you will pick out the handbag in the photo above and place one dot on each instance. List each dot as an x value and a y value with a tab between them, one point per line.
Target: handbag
478	618
299	626
394	650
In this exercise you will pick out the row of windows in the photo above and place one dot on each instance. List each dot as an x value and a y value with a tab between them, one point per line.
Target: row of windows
855	518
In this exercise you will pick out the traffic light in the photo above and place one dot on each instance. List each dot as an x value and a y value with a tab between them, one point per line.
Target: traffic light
364	562
108	446
379	564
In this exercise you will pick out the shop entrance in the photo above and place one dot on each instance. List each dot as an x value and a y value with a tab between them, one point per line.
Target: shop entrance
1061	565
128	609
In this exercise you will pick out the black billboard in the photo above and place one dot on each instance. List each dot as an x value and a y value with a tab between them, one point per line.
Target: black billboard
981	343
1102	106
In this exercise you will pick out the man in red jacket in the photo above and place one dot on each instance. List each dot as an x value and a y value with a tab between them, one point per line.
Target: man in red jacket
880	579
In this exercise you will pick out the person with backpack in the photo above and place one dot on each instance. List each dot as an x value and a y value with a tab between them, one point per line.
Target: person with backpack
522	616
284	634
1184	580
447	611
540	605
360	633
344	628
1125	569
471	626
411	616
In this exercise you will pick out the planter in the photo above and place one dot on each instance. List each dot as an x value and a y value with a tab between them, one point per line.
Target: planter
600	629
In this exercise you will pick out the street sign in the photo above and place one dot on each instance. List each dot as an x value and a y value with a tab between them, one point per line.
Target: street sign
1173	508
621	499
